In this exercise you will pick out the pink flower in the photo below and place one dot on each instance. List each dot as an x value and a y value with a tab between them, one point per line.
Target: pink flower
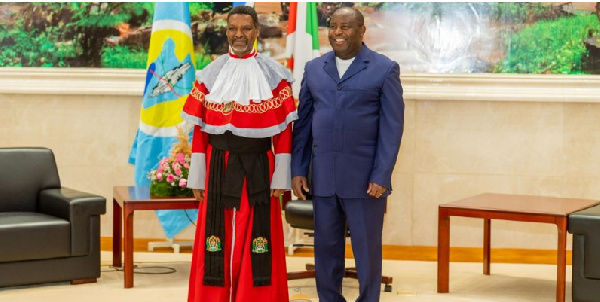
171	171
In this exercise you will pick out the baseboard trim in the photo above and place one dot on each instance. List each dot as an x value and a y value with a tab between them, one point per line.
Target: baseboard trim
397	252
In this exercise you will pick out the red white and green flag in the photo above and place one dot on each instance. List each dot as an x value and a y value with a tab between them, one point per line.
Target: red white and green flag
302	39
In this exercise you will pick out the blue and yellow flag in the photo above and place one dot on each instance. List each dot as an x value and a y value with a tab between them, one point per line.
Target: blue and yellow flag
169	79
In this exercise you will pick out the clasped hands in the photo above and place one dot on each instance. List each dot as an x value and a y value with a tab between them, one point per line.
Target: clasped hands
300	185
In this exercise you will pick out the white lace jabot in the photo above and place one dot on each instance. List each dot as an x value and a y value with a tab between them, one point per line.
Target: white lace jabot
240	80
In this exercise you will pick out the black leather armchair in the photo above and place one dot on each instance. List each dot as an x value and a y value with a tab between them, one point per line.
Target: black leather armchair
585	227
47	233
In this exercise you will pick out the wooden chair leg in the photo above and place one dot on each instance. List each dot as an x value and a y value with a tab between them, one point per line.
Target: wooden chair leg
83	281
388	283
301	275
350	273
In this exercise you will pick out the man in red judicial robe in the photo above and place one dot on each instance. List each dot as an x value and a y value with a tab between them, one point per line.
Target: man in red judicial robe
242	108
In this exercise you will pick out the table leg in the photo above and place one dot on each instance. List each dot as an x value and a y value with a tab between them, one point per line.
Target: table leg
561	261
128	246
486	246
117	261
443	251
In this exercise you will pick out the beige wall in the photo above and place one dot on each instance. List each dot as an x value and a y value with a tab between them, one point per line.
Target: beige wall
464	135
89	118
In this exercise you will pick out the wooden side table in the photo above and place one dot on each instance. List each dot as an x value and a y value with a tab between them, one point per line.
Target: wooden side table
508	207
127	200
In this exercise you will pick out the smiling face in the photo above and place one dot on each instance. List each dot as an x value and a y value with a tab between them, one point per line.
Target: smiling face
345	33
241	33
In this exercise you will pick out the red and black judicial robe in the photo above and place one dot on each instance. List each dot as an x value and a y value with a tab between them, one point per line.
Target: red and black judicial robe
248	97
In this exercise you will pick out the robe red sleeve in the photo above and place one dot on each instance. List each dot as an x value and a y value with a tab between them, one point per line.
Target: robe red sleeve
282	146
197	175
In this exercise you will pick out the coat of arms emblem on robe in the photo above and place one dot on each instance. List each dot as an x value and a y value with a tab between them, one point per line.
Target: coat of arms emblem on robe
213	244
260	245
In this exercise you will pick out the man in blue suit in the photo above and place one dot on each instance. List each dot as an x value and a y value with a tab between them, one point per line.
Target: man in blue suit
351	118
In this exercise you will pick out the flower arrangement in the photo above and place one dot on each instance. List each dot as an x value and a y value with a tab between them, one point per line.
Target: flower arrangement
170	178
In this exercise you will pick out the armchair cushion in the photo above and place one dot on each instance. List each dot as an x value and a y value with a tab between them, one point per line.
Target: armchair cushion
32	236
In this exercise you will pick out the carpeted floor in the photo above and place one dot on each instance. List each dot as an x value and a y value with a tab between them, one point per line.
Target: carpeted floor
413	281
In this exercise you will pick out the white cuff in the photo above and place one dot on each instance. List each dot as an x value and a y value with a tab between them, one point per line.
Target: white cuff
282	177
197	174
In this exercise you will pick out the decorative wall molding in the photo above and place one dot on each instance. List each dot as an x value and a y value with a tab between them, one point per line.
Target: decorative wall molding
72	81
417	86
503	87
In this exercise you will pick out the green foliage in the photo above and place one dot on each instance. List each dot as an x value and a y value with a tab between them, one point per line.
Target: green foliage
35	48
197	7
107	14
137	57
553	46
73	34
201	60
65	34
95	21
124	57
166	189
522	12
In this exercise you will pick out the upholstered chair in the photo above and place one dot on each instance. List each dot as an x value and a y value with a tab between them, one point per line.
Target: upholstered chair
48	233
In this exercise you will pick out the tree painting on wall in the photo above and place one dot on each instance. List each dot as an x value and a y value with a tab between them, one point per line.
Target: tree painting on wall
79	34
432	37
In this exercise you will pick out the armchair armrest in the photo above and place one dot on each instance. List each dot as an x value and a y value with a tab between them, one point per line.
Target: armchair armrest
586	223
76	207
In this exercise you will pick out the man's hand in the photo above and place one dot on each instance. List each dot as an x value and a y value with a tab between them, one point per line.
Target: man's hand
374	190
198	194
277	192
299	183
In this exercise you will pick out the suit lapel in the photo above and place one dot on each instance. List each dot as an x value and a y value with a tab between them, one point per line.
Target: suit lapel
359	63
330	67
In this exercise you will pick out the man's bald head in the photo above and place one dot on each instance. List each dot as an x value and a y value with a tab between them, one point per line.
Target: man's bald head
346	30
356	14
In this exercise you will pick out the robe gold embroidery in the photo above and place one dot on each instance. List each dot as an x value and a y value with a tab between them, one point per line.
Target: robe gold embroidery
227	108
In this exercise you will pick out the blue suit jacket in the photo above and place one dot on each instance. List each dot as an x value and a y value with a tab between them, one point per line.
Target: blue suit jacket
351	128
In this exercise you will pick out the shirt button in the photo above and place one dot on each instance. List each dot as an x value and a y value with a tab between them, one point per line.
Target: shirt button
339	87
